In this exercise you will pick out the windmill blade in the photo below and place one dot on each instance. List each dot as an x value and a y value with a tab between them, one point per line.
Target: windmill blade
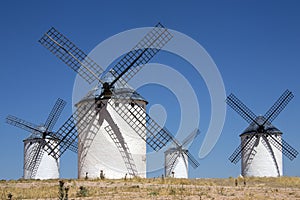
71	55
85	141
31	152
20	123
241	109
141	54
237	154
123	149
192	159
190	137
136	117
251	154
37	161
186	162
67	134
278	106
54	114
33	162
269	148
171	163
73	146
283	146
35	156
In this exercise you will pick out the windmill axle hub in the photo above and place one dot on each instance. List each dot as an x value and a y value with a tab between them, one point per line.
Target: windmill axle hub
261	129
107	91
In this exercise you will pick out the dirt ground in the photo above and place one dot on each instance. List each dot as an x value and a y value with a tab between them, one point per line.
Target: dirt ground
230	188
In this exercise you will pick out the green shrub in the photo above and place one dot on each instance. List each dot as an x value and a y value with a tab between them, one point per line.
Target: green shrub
83	192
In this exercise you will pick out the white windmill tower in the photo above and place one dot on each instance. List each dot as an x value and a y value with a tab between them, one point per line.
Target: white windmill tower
37	163
176	159
262	144
109	143
111	127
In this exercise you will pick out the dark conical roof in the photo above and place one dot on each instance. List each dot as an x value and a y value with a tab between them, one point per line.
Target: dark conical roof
119	90
253	127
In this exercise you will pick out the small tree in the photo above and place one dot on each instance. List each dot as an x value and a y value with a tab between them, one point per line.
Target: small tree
62	191
67	193
236	182
83	192
9	196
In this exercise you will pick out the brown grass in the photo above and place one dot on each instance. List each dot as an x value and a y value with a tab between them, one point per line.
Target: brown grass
138	188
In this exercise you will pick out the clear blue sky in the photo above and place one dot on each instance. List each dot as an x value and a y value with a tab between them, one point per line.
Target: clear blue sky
255	44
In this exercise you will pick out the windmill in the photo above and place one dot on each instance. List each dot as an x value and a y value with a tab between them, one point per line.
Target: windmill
262	144
37	164
115	114
176	161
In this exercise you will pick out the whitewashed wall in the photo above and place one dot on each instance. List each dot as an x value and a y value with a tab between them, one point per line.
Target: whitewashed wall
260	161
180	168
48	167
97	151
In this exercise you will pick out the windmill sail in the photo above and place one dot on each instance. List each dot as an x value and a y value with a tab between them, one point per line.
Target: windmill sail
38	143
176	158
269	146
75	58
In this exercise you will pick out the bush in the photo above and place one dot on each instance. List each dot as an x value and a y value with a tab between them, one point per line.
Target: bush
83	192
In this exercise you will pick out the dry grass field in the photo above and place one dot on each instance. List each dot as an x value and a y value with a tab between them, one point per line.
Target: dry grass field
168	188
